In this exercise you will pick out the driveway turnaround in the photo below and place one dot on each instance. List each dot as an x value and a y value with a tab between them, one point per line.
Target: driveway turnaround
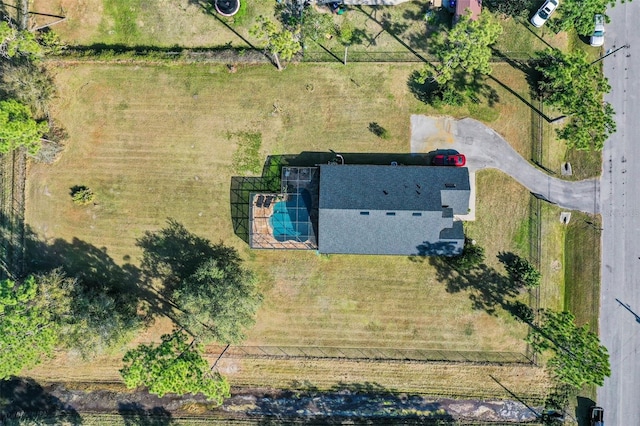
620	201
484	148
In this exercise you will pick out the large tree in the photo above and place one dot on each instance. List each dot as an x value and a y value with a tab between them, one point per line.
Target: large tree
219	301
578	15
463	50
92	317
27	330
18	128
14	42
576	87
315	25
173	366
514	8
282	43
520	270
27	83
215	296
578	357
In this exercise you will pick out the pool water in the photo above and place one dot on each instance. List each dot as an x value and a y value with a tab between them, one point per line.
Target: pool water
290	219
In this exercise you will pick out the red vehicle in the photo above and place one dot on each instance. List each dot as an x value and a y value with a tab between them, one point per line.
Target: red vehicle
457	160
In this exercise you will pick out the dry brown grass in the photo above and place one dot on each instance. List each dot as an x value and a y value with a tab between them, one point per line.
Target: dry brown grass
552	262
152	143
458	380
150	22
499	206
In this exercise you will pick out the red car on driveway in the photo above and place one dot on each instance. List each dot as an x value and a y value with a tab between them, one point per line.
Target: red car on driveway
457	160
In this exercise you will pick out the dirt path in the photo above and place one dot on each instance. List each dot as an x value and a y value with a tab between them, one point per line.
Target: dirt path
364	402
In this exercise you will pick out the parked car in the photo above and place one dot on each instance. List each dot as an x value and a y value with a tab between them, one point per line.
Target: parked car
543	14
597	416
457	160
597	38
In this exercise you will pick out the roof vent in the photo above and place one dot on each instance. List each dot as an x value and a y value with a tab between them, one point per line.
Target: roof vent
450	185
385	192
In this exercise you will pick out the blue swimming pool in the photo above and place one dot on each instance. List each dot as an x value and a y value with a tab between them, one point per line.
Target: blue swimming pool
290	219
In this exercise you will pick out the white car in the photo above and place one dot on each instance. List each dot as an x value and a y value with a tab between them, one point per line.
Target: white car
544	13
597	38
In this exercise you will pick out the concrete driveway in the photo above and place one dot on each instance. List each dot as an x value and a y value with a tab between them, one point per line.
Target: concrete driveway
484	148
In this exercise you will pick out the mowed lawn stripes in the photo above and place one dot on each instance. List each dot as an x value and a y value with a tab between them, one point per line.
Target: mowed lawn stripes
153	143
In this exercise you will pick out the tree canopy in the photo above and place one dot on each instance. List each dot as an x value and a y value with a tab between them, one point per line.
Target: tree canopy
576	87
216	297
463	50
515	8
18	128
578	357
282	43
472	256
578	15
14	42
316	25
173	366
27	334
219	301
520	270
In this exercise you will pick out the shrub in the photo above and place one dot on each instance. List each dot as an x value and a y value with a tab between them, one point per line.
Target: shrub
379	131
82	195
472	256
520	270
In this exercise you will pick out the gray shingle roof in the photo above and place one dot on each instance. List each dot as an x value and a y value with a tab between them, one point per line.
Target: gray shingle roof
370	209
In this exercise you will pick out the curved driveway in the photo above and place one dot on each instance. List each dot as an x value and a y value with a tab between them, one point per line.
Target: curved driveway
484	148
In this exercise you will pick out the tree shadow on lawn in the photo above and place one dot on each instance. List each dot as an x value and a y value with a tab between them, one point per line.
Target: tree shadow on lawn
488	289
100	278
23	398
474	90
355	403
135	414
174	254
394	29
209	8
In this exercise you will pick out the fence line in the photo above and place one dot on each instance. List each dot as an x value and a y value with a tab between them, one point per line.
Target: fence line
392	56
12	185
535	216
370	354
118	53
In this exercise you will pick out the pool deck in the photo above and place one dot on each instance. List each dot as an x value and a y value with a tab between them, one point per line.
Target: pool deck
294	179
262	232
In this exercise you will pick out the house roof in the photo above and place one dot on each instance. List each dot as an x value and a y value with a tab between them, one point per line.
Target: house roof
405	210
475	6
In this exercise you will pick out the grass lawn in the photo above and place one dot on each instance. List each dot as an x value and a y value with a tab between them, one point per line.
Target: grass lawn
154	142
187	23
147	22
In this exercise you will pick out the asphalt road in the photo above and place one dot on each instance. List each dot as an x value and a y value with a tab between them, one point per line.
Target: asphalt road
620	202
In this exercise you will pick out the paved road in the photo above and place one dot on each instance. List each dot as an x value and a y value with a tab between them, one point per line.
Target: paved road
620	201
484	148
